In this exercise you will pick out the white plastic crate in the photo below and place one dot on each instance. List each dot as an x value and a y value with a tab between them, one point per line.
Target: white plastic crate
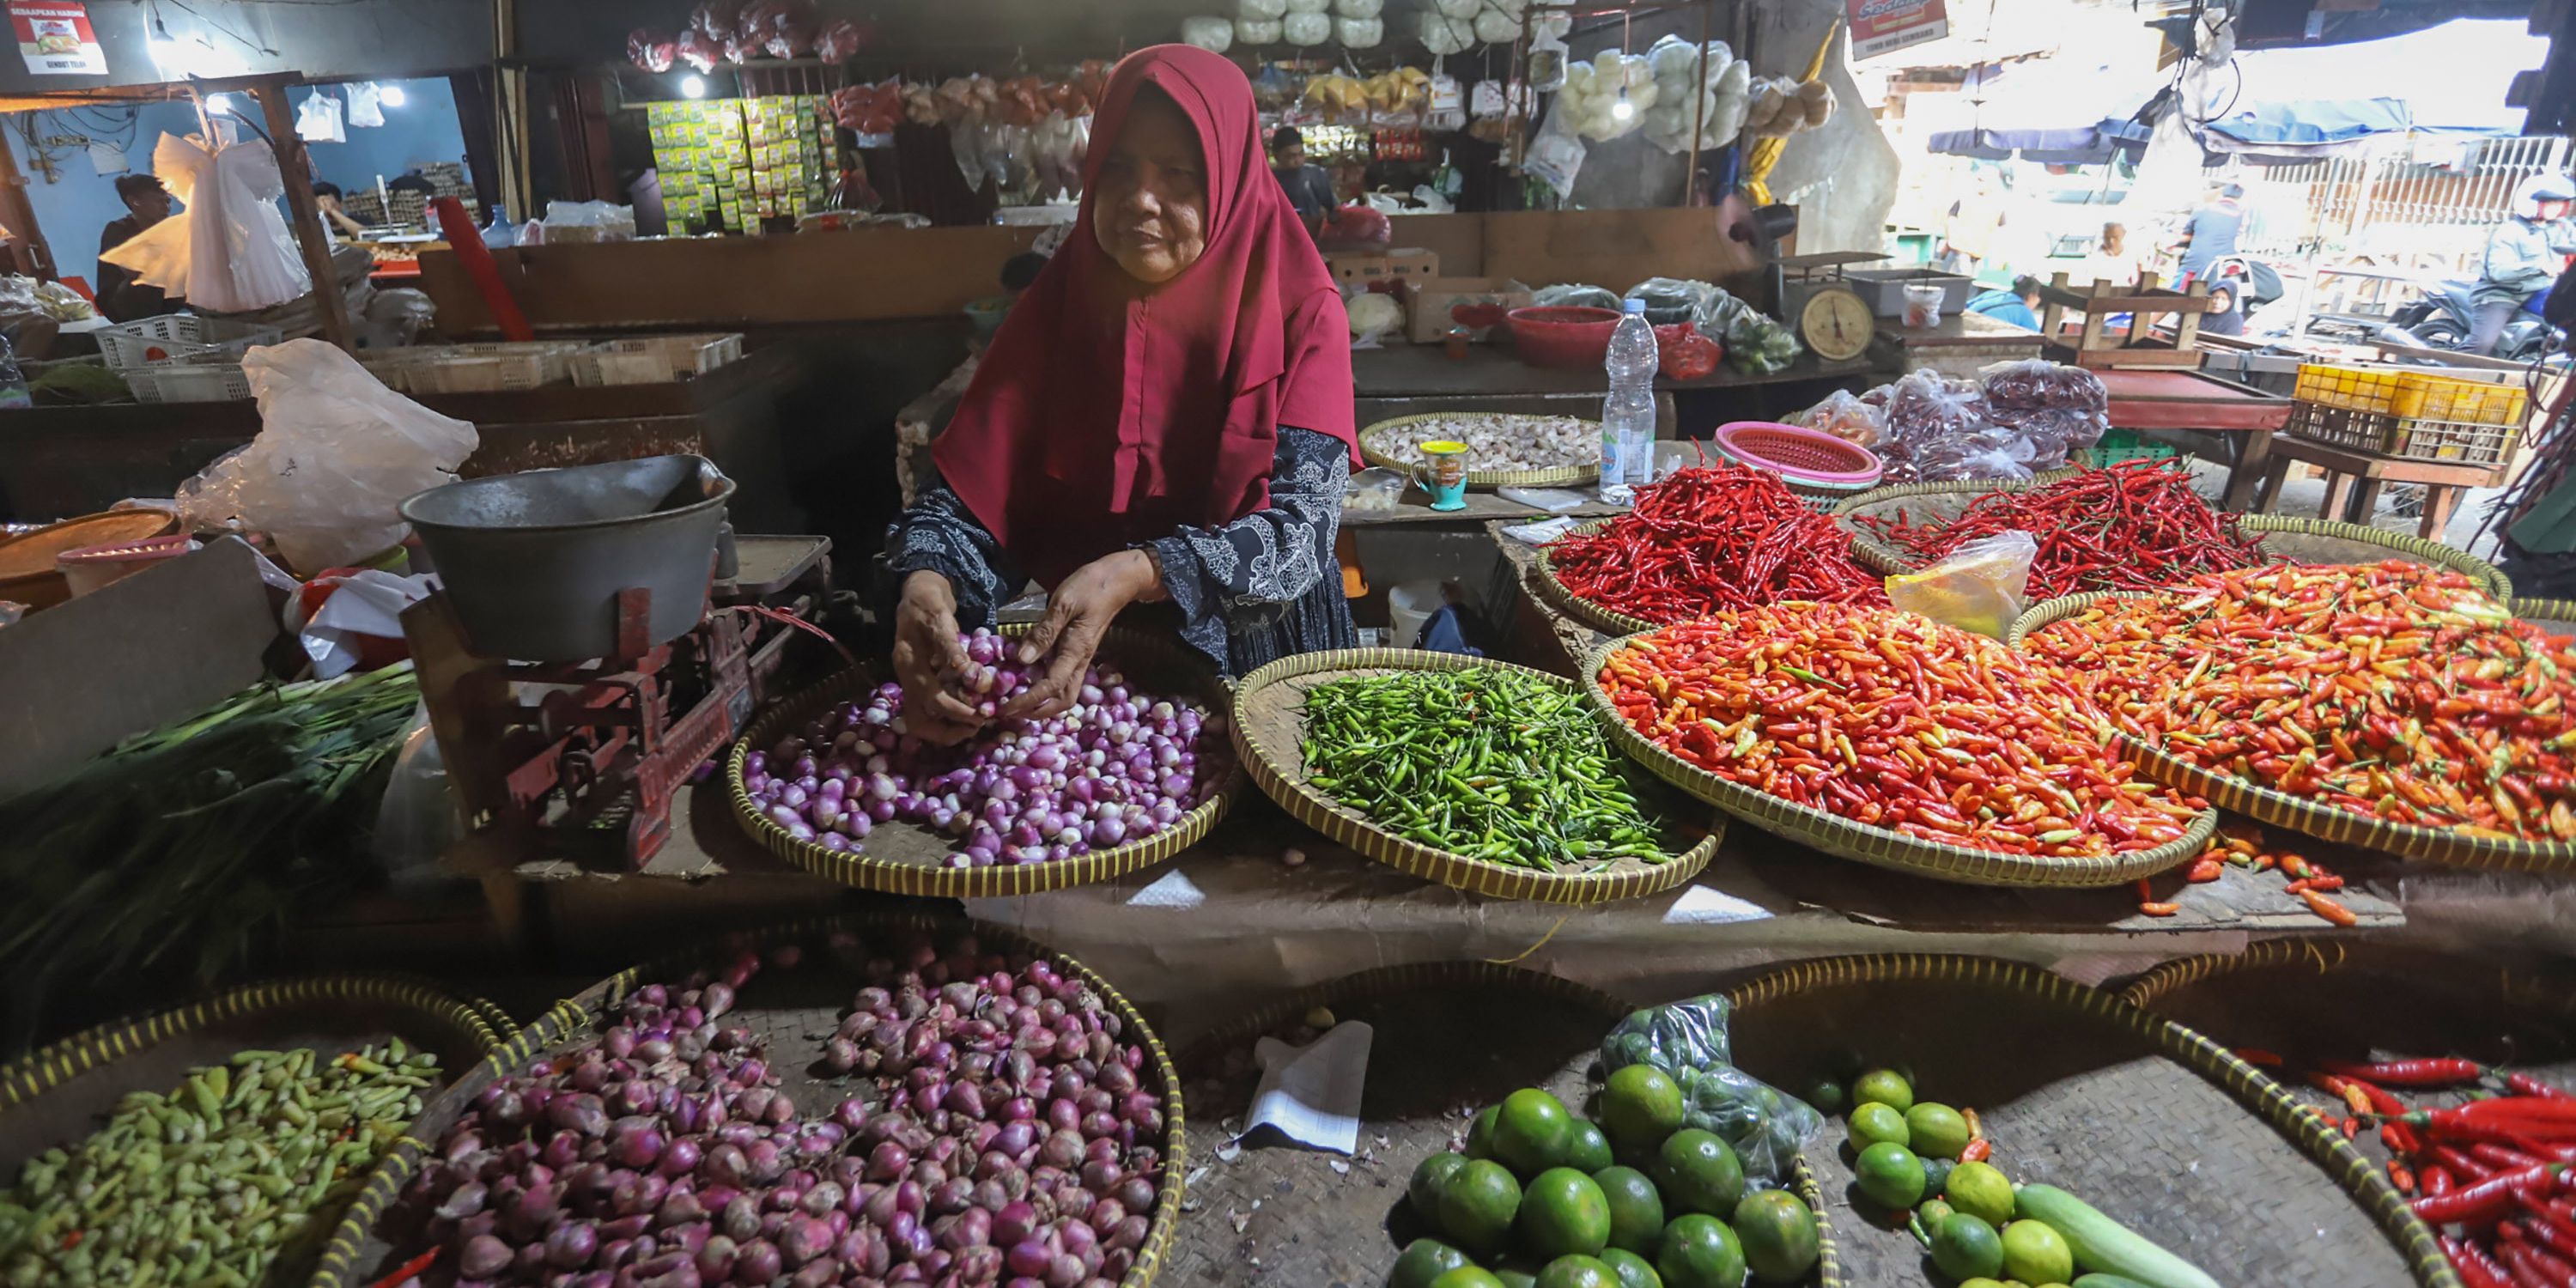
178	337
654	360
178	382
484	368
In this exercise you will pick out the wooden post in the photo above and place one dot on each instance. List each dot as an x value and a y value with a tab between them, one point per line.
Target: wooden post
297	174
19	215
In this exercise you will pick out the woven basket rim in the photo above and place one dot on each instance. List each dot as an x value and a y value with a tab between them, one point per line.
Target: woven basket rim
1878	846
561	1021
2326	956
2324	1145
2269	805
856	868
1384	981
2543	610
1317	810
1576	606
1560	476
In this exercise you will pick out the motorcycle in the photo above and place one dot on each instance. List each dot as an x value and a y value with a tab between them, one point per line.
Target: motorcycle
2445	314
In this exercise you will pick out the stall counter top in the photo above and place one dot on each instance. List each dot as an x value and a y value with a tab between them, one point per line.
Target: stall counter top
1415	370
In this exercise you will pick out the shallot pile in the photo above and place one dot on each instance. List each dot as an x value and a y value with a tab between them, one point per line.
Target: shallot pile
1116	767
999	1134
1496	442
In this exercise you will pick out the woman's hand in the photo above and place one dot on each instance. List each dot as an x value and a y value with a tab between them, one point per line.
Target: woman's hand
926	654
1077	615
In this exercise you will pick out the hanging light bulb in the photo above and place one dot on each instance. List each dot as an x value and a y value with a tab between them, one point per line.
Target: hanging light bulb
217	105
1623	109
390	94
693	87
166	54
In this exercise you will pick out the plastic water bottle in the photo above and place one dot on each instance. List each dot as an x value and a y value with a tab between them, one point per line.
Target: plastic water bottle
13	386
1628	414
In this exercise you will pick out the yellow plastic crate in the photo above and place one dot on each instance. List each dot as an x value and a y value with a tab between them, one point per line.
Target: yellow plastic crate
2353	388
2430	397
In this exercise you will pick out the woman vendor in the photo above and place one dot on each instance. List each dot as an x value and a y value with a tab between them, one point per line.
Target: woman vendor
1165	416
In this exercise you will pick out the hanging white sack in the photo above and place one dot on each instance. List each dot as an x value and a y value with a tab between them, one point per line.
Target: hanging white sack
229	251
366	105
317	120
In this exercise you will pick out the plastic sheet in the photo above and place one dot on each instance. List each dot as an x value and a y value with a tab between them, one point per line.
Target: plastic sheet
1689	1041
1981	587
1843	415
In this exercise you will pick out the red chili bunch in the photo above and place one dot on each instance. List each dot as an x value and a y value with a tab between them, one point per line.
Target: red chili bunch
2495	1177
2133	526
1710	538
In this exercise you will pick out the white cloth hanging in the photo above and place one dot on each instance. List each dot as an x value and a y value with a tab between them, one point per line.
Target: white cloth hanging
229	251
317	119
366	106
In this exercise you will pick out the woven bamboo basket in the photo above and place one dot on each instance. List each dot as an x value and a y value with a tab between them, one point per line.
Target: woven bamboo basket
903	858
1268	724
794	1029
2161	1128
54	1095
1879	846
2556	616
2293	540
1446	1036
2281	809
1374	441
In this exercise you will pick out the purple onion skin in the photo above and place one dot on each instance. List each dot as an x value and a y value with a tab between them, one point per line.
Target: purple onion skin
715	1259
757	1263
483	1257
571	1245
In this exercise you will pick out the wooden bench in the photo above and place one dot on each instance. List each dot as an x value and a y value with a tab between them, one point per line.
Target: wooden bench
2354	478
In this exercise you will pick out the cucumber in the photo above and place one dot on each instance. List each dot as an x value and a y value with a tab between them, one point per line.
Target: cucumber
2103	1245
2100	1280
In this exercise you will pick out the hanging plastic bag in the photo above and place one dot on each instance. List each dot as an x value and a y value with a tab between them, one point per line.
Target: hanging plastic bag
1556	155
336	452
229	252
366	103
1688	1040
1981	587
317	119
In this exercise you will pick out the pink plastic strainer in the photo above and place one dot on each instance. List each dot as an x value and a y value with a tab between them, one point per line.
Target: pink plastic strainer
1808	459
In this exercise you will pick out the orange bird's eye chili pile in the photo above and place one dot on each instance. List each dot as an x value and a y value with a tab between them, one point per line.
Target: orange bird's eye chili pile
1713	537
2391	690
2135	526
1892	720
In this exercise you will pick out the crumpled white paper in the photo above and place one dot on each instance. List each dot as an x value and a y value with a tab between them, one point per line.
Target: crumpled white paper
1311	1094
370	602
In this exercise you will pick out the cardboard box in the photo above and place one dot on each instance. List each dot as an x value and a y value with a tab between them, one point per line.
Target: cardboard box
1429	300
1367	267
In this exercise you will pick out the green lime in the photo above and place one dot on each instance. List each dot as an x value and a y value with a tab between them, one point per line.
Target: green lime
1698	1173
1883	1086
1981	1191
1467	1277
1826	1094
1634	1271
1476	1209
1870	1124
1890	1175
1563	1214
1430	1176
1936	1174
1933	1211
1965	1247
1981	1283
1589	1150
2037	1254
1532	1134
1636	1208
1578	1272
1700	1252
1779	1236
1640	1106
1515	1277
1937	1130
1480	1133
1424	1260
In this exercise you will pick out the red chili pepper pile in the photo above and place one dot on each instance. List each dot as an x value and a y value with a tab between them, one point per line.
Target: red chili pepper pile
1892	720
2391	690
2495	1177
2133	526
1712	537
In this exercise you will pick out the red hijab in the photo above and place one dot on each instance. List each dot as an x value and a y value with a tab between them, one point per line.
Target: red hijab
1108	413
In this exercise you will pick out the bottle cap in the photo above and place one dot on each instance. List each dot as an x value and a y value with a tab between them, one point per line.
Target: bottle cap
1632	304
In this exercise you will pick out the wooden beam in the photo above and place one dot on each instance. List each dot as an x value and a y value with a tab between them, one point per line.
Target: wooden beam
295	170
18	215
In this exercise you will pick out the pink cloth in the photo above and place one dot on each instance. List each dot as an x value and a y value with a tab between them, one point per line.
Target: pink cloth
1108	413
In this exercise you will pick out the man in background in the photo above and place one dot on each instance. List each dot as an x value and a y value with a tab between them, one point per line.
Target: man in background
1309	187
335	218
2212	233
2018	305
120	297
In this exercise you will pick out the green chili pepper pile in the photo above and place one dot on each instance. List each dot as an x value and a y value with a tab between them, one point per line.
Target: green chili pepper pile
242	1164
1487	763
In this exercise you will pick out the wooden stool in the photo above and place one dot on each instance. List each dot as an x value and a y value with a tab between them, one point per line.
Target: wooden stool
2353	480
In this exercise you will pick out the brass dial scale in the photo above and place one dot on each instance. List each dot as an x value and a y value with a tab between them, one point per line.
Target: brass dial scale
1833	321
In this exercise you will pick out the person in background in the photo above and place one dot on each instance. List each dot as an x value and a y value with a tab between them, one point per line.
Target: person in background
2018	304
1309	187
335	218
2112	260
2524	256
1969	239
120	297
2212	233
1164	417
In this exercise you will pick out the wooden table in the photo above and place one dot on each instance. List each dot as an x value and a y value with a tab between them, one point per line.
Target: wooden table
2143	400
1419	370
1962	344
2353	480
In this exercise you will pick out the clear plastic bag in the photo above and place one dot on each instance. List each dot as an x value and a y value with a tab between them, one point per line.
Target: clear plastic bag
2034	383
1981	587
336	452
1843	415
1767	1128
229	251
1574	294
1673	300
418	819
